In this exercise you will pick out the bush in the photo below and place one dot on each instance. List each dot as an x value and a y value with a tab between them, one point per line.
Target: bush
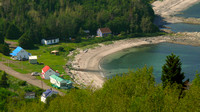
4	48
22	83
61	49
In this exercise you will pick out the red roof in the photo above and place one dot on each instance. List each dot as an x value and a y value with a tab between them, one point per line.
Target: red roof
105	30
46	68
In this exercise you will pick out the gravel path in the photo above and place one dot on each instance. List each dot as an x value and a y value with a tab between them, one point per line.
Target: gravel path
26	77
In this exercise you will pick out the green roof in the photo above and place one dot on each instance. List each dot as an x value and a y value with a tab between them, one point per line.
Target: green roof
57	78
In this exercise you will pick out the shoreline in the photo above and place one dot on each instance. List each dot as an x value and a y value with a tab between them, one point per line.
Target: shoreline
167	9
89	61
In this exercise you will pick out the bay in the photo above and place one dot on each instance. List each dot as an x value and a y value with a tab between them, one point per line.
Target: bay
152	55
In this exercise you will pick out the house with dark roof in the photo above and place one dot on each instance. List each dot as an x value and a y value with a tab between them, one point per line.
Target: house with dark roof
102	32
60	82
47	72
20	54
47	93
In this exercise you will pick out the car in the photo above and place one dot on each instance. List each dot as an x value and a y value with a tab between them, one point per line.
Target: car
35	74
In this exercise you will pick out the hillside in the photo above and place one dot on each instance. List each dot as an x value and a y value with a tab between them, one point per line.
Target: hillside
134	91
64	19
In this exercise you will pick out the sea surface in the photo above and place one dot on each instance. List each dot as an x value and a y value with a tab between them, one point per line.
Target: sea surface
152	55
194	12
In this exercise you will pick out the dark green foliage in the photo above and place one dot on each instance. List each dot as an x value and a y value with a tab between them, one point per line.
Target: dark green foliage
68	18
13	32
25	41
22	83
61	49
171	71
4	48
1	38
4	81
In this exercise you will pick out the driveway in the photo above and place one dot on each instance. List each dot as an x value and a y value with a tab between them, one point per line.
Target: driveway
27	77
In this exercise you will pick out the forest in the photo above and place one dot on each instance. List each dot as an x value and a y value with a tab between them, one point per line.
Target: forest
37	19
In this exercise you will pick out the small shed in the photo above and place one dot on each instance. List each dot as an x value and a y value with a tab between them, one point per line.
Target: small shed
33	59
56	52
60	82
30	95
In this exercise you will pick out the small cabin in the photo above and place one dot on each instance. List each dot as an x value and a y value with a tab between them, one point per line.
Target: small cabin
60	82
20	54
47	72
33	59
103	32
50	41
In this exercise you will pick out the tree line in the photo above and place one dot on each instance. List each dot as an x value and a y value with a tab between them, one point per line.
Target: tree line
37	19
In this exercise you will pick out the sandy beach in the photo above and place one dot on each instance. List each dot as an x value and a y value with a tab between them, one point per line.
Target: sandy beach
166	9
88	62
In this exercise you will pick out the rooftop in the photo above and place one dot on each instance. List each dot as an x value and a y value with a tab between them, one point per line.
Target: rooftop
105	30
14	53
57	78
32	57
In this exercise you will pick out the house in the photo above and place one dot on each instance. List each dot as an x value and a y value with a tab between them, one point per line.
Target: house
60	82
30	95
47	93
47	71
33	59
101	32
20	54
50	41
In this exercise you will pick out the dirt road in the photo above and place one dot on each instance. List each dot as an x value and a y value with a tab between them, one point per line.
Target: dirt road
27	77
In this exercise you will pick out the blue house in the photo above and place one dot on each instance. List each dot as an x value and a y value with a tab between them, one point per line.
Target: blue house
102	32
20	54
47	93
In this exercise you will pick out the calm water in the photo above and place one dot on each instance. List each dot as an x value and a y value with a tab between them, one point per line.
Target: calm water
193	11
183	27
152	55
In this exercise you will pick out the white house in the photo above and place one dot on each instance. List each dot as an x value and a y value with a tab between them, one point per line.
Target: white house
20	54
33	59
60	83
102	32
50	41
47	93
47	71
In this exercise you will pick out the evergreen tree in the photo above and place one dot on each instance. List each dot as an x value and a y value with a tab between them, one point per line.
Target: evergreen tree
4	80
13	32
26	41
1	38
171	71
4	48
